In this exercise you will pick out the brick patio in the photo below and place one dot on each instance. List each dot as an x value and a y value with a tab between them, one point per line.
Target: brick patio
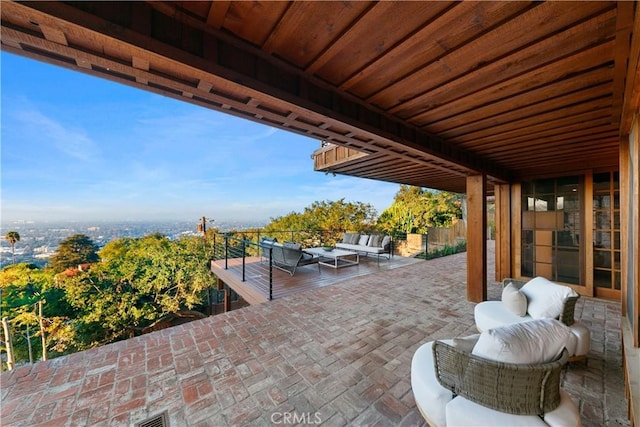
339	354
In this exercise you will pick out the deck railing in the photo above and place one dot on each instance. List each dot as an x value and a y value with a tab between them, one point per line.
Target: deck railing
244	249
236	251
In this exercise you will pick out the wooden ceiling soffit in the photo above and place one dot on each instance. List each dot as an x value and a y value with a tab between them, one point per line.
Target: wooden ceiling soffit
632	84
238	73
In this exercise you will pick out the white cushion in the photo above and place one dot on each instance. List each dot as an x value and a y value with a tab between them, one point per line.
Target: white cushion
545	299
465	344
374	240
514	300
385	241
582	339
363	240
430	396
537	341
493	314
465	413
566	414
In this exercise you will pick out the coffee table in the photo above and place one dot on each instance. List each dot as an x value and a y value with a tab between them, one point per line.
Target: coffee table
336	258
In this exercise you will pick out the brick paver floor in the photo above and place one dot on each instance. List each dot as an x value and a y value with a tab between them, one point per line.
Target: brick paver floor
339	355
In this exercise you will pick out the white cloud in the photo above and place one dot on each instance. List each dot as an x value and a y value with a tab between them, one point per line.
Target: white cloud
74	143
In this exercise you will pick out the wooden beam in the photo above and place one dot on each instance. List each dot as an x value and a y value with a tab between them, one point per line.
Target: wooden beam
476	238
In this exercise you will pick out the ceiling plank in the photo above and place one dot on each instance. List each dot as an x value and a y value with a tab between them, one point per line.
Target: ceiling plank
542	20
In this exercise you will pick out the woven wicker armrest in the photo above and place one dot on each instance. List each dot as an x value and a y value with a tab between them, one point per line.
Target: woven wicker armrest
521	389
568	309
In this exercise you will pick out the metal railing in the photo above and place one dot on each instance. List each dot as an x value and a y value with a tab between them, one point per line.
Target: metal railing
236	247
236	251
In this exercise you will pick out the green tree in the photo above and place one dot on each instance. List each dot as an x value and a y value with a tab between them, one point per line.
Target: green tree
415	209
23	286
326	215
73	251
137	282
12	237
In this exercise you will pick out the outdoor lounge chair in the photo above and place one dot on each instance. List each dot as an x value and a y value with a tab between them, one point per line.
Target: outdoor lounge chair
523	301
287	256
511	381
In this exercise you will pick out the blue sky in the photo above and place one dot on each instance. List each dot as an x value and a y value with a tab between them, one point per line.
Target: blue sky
76	147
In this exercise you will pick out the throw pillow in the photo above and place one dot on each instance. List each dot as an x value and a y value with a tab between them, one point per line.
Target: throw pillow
514	300
465	344
546	299
363	240
292	245
537	341
385	241
354	239
374	240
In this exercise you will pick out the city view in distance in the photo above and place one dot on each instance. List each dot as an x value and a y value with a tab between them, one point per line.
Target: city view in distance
39	240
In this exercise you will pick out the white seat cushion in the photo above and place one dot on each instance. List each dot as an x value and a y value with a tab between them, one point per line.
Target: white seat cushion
582	339
567	414
463	412
430	396
493	314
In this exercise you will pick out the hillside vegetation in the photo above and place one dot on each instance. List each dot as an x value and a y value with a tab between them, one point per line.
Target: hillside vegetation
87	297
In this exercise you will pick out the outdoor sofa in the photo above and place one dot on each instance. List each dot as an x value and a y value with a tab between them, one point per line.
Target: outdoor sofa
367	244
538	298
287	256
507	376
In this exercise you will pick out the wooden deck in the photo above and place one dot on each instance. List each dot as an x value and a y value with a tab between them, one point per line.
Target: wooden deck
255	288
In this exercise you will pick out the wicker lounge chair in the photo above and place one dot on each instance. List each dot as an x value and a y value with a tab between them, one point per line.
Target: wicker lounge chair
455	382
492	314
529	389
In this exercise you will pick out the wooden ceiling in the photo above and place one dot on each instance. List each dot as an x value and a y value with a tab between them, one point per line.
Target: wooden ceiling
431	91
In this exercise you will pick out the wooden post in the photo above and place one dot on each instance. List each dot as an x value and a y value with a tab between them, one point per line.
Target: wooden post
227	300
476	238
8	344
503	231
44	341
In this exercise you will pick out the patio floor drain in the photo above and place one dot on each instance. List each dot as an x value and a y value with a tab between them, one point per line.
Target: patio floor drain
160	420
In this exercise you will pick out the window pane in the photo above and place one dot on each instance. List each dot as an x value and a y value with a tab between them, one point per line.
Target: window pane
544	203
545	186
602	259
602	201
602	278
603	220
568	265
601	181
568	184
527	187
602	239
